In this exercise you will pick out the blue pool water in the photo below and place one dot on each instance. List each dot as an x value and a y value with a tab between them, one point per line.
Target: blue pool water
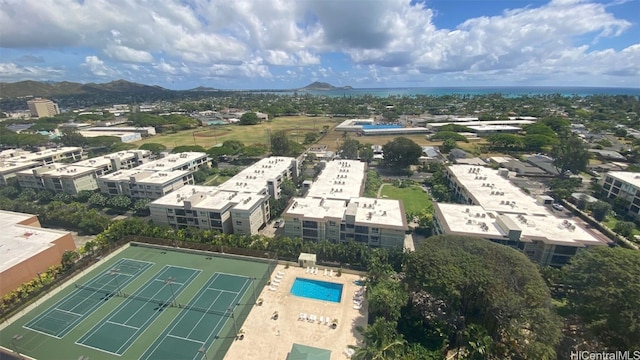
372	127
318	290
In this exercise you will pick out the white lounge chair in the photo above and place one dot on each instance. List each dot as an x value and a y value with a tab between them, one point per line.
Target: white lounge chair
281	273
278	276
275	281
271	288
331	273
325	272
312	318
302	316
308	270
357	301
321	320
326	320
315	271
275	284
357	307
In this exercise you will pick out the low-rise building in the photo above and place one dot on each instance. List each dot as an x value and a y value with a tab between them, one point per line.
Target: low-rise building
334	209
624	185
14	160
211	208
144	184
493	208
191	161
239	206
116	161
57	177
27	249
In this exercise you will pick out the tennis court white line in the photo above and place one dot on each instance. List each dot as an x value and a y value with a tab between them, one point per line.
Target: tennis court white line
187	339
40	332
67	312
177	320
172	282
220	290
125	325
95	348
203	315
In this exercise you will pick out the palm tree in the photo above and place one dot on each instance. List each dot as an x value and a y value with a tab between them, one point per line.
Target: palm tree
381	342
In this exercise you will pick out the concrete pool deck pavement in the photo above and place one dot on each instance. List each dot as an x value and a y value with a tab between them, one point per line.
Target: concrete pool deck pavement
265	338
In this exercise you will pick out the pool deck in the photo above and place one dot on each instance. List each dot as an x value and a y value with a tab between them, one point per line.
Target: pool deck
265	338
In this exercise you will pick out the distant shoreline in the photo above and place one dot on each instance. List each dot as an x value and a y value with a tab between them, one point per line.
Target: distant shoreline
508	91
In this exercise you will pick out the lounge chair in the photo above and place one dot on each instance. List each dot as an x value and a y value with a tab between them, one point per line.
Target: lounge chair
357	301
278	276
315	271
326	320
325	272
271	288
331	273
312	318
281	273
308	270
357	307
302	316
321	320
275	284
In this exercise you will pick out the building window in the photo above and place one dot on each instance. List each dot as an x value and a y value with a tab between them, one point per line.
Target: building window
239	222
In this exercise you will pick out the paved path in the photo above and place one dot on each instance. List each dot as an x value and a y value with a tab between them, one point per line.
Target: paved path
380	190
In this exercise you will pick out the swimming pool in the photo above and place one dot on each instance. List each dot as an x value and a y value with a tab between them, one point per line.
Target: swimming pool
380	126
317	290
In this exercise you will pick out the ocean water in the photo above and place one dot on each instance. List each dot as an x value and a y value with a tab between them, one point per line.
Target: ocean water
505	91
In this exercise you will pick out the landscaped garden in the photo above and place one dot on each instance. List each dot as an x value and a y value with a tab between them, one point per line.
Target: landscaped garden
413	197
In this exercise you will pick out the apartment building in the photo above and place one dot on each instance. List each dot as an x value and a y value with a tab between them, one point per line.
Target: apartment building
625	185
239	206
492	208
27	249
42	108
109	163
15	160
56	177
211	208
334	209
190	161
144	184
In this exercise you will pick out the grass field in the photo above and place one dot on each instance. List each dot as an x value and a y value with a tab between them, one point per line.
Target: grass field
295	126
413	198
611	222
169	309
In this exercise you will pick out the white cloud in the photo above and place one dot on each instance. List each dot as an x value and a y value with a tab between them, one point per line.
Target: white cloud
14	72
250	38
98	68
128	54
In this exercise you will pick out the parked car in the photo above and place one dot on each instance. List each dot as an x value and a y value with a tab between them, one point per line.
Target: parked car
558	207
277	223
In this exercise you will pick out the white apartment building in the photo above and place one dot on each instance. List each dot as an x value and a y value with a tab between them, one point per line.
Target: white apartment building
116	161
14	160
57	177
625	185
239	206
144	184
212	208
191	161
493	208
334	209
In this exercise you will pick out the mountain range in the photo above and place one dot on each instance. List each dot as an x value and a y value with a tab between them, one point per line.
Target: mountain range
65	88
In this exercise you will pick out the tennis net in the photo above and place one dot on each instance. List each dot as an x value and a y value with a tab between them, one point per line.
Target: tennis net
114	292
204	310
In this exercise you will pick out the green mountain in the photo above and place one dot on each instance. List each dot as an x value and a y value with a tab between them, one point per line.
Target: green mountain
324	86
44	89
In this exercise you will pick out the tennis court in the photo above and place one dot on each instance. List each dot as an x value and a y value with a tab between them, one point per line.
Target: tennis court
66	314
115	333
144	303
201	320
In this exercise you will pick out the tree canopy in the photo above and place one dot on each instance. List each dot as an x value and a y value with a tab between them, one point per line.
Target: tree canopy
605	294
249	118
490	286
401	152
570	154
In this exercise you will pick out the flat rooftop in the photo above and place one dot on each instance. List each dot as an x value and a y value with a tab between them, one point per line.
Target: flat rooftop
58	170
19	154
484	127
376	212
476	122
632	178
340	179
550	229
494	192
20	242
209	198
316	208
105	160
145	176
254	178
15	166
173	161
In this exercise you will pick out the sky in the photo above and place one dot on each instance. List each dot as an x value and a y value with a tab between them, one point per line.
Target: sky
287	44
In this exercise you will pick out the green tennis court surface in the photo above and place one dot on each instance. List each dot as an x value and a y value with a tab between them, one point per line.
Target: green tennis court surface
202	319
64	315
123	326
145	303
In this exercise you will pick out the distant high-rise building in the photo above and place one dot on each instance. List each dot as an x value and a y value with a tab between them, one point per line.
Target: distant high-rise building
43	108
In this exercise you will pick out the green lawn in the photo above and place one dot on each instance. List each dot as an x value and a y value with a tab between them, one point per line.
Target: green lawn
413	198
611	222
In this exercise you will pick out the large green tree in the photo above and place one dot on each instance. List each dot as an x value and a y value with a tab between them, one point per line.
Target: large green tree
401	152
249	118
490	286
570	154
605	294
280	145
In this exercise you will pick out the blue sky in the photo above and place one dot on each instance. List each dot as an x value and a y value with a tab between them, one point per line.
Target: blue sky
284	44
